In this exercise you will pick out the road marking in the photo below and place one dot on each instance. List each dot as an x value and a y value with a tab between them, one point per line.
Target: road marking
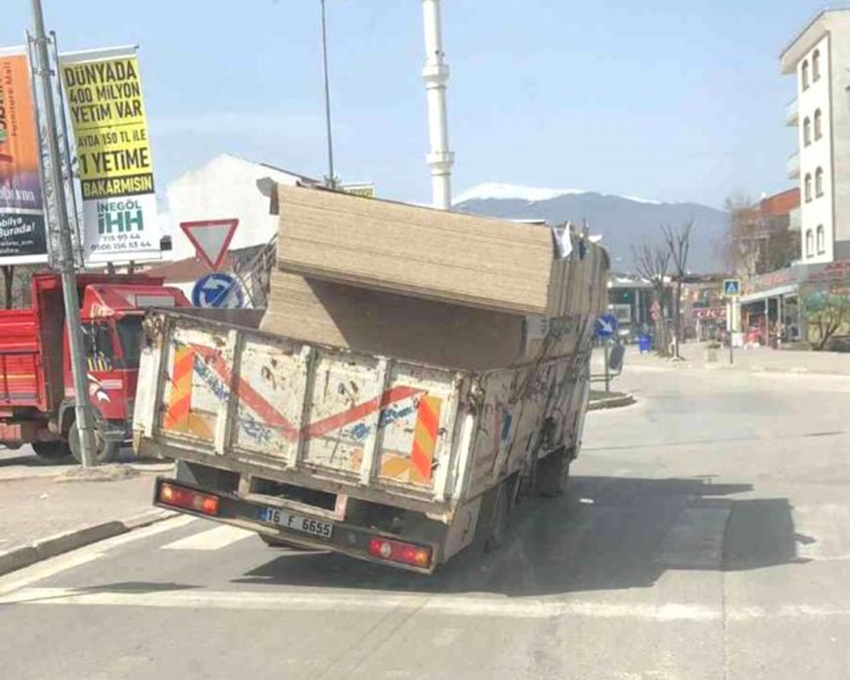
445	605
212	539
291	601
86	554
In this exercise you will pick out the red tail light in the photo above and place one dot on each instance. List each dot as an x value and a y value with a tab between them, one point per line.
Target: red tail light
404	553
188	499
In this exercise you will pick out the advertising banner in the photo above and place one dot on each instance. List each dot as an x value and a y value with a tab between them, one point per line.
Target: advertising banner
103	94
23	239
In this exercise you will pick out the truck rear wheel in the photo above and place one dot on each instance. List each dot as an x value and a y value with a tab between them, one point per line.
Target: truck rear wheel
496	511
51	450
553	473
105	452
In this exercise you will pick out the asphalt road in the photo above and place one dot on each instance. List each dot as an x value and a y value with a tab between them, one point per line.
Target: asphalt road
707	535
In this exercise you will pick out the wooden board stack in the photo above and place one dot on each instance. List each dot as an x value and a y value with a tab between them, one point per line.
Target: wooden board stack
417	283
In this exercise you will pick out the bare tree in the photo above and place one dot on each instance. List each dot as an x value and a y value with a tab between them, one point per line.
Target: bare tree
757	241
678	242
652	263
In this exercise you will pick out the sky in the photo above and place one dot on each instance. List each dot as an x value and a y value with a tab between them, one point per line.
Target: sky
661	99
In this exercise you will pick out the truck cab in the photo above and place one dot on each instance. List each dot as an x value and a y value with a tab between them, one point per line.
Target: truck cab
111	317
37	396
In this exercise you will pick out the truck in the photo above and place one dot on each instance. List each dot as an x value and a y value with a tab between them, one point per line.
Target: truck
380	458
37	398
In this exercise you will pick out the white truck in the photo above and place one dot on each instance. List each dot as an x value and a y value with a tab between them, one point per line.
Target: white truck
378	458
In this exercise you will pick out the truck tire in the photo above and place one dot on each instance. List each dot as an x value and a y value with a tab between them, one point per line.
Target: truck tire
105	452
553	473
51	450
498	504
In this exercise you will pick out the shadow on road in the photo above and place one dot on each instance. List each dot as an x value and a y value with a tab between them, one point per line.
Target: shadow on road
608	533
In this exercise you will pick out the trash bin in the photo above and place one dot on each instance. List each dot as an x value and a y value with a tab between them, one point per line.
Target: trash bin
644	343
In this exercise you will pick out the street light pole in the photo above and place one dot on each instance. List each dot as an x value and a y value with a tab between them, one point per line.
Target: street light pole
331	180
66	264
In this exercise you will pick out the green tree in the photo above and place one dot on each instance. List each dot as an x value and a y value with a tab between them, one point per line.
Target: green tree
827	311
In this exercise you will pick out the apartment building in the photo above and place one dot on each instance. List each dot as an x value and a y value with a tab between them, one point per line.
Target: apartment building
819	58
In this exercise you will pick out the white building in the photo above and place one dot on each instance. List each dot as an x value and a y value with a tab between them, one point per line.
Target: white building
227	187
819	56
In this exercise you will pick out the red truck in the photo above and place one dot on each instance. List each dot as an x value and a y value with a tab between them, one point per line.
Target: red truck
36	386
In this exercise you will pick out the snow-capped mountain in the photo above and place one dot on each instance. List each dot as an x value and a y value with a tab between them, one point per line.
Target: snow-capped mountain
622	221
500	191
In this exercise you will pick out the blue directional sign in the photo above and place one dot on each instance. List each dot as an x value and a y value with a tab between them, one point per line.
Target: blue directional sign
606	326
217	290
731	287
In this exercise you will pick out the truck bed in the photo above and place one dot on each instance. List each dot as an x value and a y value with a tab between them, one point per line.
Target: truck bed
317	416
21	373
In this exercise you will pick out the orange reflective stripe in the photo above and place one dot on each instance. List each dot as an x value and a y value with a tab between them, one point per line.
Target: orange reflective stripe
180	403
425	438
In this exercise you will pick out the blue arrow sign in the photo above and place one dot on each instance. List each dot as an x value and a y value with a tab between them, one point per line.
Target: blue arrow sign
217	290
606	326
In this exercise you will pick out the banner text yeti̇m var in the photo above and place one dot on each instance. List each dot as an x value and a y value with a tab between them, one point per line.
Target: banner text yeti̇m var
104	101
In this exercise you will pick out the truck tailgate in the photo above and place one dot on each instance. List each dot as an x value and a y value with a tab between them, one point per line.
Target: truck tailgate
236	394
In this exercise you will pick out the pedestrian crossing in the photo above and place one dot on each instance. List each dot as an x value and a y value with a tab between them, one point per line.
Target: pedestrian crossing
216	538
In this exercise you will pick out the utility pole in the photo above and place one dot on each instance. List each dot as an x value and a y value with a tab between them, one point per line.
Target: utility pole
331	180
69	278
436	75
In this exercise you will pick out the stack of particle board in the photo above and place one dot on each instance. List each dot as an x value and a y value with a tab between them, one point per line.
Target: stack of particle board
389	324
421	252
420	284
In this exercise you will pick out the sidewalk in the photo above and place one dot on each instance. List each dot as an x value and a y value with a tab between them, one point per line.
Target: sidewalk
39	502
759	359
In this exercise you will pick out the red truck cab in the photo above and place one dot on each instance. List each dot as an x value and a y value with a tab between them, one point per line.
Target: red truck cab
37	395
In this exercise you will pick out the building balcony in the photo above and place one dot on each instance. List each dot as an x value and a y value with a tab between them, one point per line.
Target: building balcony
794	166
795	220
792	113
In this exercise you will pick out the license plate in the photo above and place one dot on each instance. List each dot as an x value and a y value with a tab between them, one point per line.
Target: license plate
288	520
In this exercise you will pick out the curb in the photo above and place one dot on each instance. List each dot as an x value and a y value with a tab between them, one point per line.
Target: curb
612	402
18	558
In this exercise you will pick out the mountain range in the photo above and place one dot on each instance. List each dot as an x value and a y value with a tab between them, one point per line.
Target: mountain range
622	221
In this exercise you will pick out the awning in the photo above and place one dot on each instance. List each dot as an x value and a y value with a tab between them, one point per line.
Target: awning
790	289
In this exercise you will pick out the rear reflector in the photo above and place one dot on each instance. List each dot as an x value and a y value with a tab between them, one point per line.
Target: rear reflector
396	551
188	499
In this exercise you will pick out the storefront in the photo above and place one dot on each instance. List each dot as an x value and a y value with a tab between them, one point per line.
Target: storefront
775	308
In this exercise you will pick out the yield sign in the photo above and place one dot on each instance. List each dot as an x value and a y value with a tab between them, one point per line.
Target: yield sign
210	238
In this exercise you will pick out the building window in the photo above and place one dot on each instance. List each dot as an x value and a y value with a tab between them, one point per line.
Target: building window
804	75
821	241
816	66
807	131
808	187
819	182
810	243
818	124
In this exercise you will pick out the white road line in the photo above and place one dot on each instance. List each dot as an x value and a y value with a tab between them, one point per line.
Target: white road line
446	605
212	539
86	554
428	604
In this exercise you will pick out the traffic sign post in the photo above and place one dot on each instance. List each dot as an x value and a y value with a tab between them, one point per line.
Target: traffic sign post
606	328
731	291
219	291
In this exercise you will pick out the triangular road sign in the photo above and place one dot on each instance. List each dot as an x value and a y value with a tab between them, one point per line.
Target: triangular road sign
211	239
